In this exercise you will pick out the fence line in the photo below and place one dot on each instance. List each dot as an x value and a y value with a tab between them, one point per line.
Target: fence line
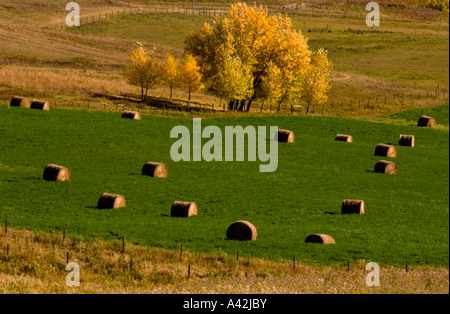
380	102
345	264
305	9
156	10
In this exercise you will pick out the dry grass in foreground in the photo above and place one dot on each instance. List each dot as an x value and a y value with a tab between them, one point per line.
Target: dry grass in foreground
35	263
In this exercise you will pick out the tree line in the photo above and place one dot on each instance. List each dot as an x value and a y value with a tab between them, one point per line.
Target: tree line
249	56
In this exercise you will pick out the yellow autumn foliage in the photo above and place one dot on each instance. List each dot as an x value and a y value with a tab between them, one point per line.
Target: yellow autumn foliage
170	71
233	79
189	76
316	83
271	56
441	5
144	69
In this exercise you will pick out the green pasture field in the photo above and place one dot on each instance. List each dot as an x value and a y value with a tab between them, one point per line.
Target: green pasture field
406	218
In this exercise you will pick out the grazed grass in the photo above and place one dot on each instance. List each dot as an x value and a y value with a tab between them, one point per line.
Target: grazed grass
410	117
406	217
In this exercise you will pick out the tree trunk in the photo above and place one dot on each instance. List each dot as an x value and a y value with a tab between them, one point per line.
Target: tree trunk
230	105
262	105
236	104
189	101
308	107
250	101
142	83
145	95
241	108
279	104
170	100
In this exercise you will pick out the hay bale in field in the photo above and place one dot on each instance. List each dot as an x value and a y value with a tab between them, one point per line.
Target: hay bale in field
387	167
17	101
352	207
426	121
183	209
40	104
242	230
155	169
344	138
131	115
56	173
386	150
284	136
108	201
406	140
320	238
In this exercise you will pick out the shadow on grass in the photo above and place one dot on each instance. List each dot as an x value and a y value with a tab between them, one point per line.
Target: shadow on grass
153	102
35	179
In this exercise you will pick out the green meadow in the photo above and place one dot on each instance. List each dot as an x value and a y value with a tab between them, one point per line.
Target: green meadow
406	218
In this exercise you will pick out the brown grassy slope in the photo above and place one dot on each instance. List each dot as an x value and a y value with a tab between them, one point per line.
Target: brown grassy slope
41	58
36	264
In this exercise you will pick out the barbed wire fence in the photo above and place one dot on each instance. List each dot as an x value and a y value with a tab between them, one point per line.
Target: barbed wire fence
10	243
305	9
382	102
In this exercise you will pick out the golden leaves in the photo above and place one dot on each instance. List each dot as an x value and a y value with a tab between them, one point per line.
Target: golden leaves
233	80
189	76
316	84
144	69
170	67
252	55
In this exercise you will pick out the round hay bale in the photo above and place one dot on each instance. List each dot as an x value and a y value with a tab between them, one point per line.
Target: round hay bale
386	150
56	173
320	238
108	201
352	207
17	101
40	104
406	140
284	136
183	209
344	138
387	167
131	115
241	230
426	121
155	169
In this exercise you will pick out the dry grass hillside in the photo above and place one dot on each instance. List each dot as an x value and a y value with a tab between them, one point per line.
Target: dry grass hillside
402	64
35	263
